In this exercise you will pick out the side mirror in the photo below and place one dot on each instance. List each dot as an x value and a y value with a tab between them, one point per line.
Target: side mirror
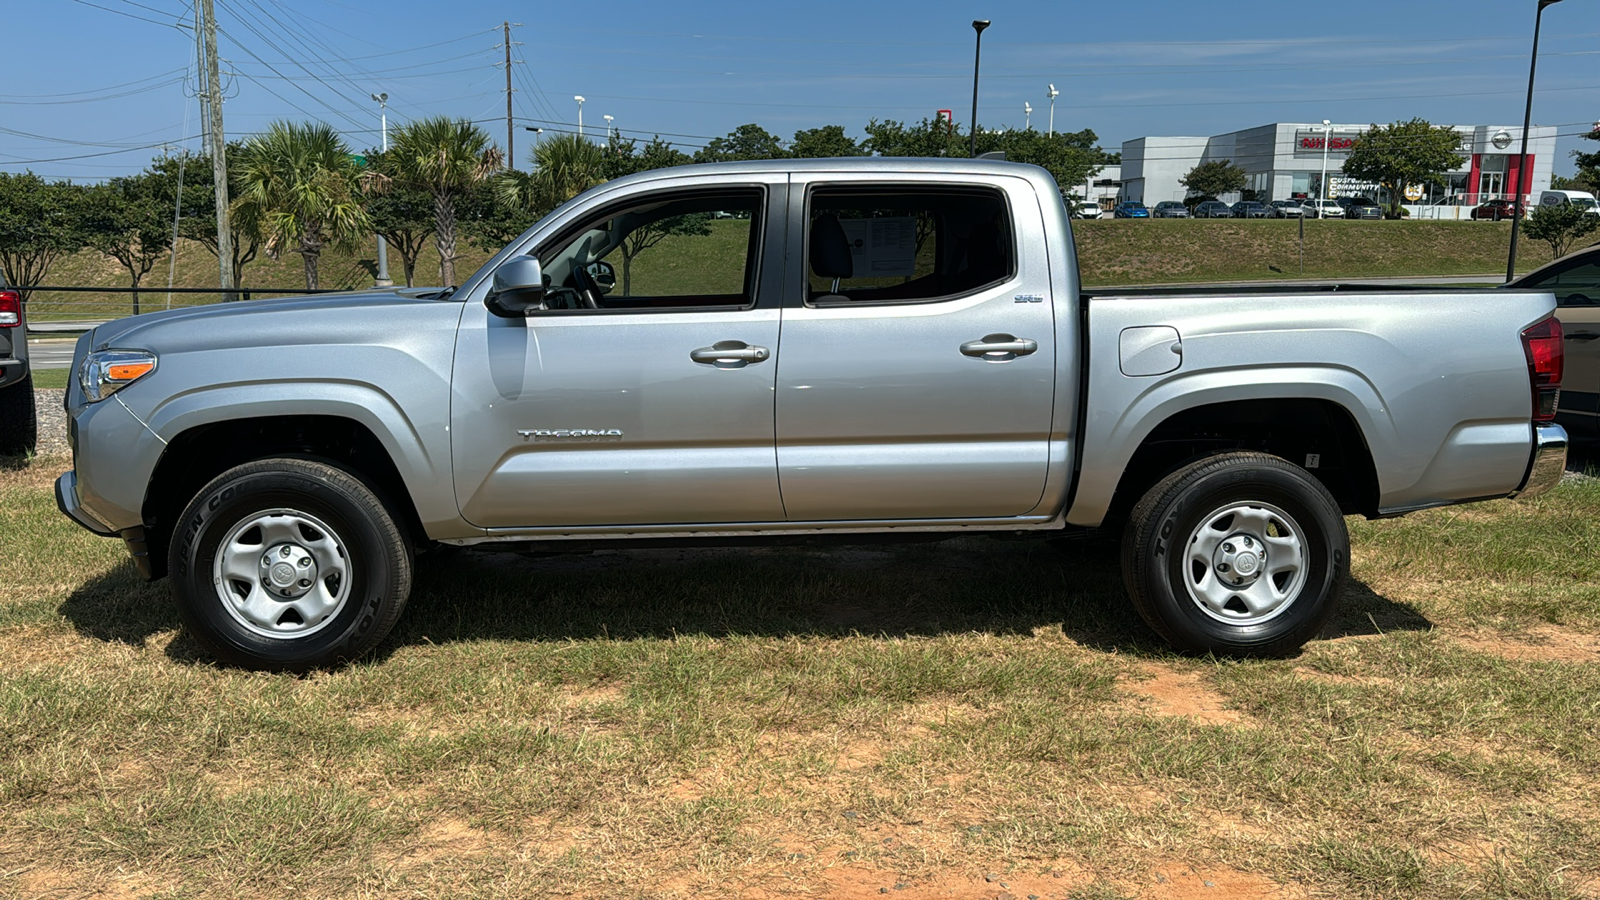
517	289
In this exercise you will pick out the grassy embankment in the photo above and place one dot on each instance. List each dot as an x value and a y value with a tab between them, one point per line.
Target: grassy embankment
1111	252
817	723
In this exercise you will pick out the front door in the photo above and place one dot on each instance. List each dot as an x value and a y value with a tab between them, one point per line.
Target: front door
918	369
642	393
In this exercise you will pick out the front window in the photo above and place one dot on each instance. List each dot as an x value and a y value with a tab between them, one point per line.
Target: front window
693	249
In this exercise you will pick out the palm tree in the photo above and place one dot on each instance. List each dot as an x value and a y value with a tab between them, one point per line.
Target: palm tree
298	182
444	157
563	167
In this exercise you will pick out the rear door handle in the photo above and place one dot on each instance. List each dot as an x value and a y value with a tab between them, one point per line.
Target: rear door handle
999	347
730	354
1583	336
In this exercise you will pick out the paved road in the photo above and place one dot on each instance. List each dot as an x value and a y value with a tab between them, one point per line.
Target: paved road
50	353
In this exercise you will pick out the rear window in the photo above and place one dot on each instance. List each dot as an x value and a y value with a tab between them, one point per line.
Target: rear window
905	246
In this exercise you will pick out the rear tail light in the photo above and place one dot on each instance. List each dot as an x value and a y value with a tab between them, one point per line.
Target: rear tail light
10	309
1541	343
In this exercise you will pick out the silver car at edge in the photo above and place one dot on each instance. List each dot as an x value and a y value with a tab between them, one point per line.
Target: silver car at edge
282	460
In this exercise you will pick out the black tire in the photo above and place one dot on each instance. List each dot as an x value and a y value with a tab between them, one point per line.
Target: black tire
326	524
19	421
1195	528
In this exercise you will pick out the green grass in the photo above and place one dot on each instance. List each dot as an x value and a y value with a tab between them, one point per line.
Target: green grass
816	722
1138	251
50	378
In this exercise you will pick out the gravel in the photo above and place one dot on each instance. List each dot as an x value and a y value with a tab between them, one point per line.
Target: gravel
52	422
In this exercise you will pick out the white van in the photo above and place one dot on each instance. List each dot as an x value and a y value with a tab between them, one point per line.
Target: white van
1582	199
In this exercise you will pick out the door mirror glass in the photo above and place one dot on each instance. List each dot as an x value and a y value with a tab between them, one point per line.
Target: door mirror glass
518	288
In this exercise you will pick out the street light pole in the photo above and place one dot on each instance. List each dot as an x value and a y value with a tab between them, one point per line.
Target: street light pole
383	279
1052	95
978	25
579	98
608	128
1322	186
1517	208
1027	116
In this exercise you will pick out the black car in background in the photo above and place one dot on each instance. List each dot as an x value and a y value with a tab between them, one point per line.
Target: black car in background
1213	209
1575	280
1170	209
1250	209
1362	208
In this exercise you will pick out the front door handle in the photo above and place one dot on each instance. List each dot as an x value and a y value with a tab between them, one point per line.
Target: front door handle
730	354
1582	335
999	347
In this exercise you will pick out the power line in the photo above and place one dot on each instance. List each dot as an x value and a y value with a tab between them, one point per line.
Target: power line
173	24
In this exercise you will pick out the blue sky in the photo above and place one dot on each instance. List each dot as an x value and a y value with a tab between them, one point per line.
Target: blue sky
93	88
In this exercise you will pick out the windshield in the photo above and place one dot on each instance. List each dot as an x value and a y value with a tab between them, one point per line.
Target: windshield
1584	202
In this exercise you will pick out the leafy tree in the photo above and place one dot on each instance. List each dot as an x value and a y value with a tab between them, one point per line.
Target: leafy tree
1589	163
1403	154
197	219
1220	176
403	215
487	222
39	222
1575	183
1561	226
826	142
299	182
127	221
745	142
930	137
1070	157
442	157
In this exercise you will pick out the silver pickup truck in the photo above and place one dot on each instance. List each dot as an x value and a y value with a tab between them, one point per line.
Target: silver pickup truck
797	351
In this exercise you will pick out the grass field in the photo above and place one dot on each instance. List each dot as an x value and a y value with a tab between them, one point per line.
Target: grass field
967	719
1111	252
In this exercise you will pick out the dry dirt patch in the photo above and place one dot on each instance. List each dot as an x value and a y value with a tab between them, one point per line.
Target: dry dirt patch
1181	694
1541	643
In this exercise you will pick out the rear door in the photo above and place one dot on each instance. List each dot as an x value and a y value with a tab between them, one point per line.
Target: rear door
918	367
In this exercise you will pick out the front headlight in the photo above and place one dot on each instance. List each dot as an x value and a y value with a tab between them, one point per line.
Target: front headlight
105	372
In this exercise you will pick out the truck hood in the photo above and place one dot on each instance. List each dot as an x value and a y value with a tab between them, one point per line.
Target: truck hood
305	320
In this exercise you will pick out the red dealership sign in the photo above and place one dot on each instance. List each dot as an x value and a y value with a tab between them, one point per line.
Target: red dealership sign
1335	143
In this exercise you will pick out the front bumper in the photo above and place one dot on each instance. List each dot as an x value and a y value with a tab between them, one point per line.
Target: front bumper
67	502
1548	463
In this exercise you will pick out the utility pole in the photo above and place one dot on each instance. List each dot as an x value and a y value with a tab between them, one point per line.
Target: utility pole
511	155
219	162
383	279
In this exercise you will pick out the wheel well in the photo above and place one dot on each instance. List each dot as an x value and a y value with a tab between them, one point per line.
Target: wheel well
202	453
1296	430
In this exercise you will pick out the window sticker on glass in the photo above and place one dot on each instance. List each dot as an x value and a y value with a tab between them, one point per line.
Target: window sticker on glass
882	246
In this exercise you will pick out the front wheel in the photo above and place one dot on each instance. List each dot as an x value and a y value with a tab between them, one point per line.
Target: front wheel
1242	554
288	564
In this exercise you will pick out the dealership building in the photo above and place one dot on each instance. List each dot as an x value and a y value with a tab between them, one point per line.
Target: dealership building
1288	161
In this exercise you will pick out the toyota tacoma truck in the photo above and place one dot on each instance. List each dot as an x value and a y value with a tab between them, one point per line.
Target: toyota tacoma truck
797	351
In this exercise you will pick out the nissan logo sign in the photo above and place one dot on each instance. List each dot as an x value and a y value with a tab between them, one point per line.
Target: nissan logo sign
1501	139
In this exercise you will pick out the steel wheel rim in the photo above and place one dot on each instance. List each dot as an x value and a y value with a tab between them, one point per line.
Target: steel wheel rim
1245	563
282	574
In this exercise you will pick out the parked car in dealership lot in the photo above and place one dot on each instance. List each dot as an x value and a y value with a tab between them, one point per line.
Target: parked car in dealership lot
1322	209
1170	209
1287	209
1575	280
1213	209
1250	209
1363	208
1581	199
1087	209
1495	210
1130	209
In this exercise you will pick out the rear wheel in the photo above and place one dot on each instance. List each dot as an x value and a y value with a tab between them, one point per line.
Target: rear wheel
1242	554
19	423
289	564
